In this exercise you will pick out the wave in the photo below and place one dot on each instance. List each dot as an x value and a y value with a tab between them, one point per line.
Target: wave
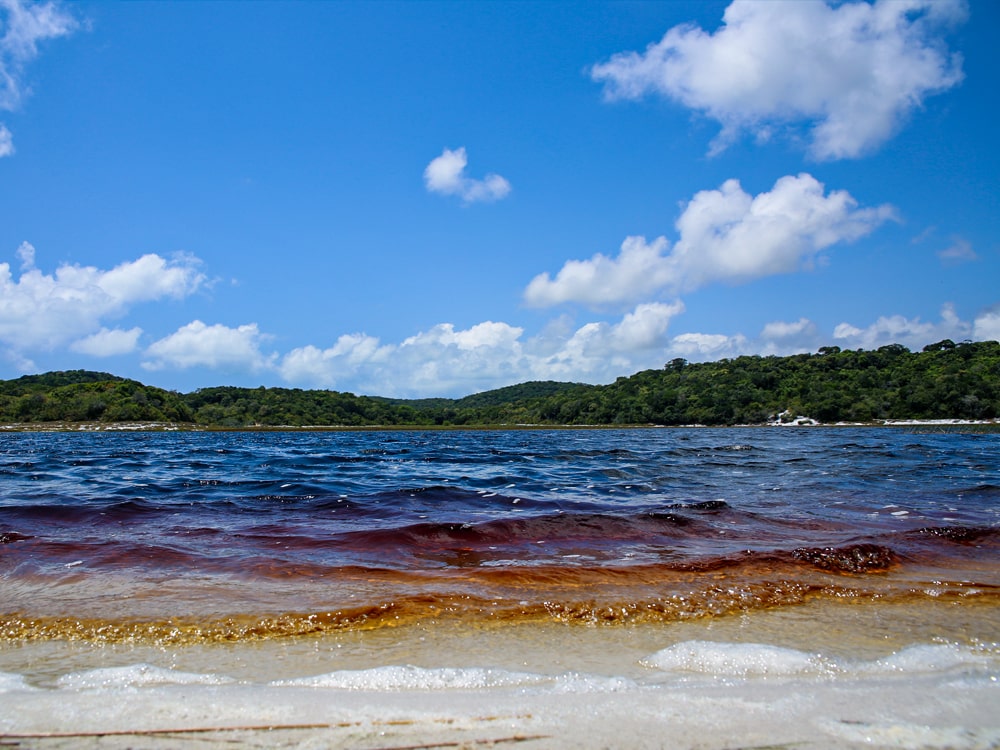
764	660
390	599
714	659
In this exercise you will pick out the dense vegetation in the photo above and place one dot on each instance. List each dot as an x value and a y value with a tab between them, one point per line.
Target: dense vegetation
80	395
945	380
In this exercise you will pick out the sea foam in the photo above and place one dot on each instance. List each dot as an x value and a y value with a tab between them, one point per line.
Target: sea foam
736	659
727	659
135	676
408	677
10	682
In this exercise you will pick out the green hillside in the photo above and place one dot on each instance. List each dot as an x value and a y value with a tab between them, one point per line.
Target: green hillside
944	381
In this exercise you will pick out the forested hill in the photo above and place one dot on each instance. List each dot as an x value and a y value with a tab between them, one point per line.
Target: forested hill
944	381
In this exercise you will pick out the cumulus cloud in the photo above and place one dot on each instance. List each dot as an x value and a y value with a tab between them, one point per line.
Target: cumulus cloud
725	235
213	346
707	346
777	338
601	351
445	360
640	269
350	355
910	332
642	329
435	361
986	326
852	71
40	311
23	26
446	175
108	343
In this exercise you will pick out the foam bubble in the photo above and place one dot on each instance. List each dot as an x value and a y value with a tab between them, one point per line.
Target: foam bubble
10	682
931	658
756	659
135	675
407	677
574	682
735	659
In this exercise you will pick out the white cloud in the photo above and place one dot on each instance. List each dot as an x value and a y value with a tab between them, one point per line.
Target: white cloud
22	27
986	326
784	331
446	175
853	71
777	338
108	343
444	360
959	251
707	346
641	269
6	141
725	235
897	329
41	311
351	355
215	346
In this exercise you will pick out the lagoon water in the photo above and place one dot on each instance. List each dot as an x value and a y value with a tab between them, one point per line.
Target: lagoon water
710	588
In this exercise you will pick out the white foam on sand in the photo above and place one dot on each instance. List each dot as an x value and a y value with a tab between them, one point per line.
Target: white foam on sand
757	659
704	694
408	677
736	659
135	676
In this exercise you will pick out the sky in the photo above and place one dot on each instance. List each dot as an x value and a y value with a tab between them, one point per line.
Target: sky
415	199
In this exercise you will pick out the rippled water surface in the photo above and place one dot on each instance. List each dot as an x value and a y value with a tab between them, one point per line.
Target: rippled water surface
250	534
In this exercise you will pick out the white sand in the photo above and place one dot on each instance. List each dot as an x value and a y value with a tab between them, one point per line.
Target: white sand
824	676
914	710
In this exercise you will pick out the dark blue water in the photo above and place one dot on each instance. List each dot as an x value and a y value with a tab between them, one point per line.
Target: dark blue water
152	523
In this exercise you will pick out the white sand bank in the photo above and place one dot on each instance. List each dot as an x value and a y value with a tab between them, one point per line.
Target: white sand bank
931	697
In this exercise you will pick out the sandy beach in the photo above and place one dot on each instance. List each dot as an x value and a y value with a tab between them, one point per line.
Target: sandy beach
821	676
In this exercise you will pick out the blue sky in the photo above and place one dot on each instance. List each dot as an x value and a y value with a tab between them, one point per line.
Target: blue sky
436	199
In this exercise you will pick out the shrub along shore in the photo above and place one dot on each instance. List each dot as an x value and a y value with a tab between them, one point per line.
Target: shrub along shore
944	381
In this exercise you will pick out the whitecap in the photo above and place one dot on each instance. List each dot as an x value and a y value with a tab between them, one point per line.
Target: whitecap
757	659
408	677
136	675
735	659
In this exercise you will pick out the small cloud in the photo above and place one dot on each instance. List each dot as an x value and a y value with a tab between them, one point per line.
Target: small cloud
852	71
707	346
216	347
959	251
446	175
6	141
783	330
26	254
108	343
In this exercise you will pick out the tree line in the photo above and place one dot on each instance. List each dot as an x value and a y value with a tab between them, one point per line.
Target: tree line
943	381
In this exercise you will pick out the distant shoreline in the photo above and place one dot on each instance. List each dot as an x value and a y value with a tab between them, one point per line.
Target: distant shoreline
85	427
